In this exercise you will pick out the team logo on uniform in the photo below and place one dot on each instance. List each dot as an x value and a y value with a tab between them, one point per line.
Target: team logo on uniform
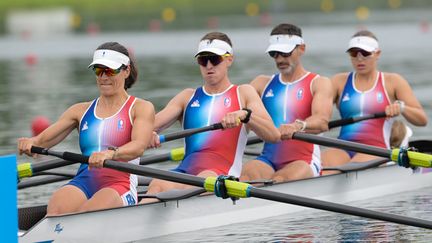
58	228
120	124
195	104
380	97
84	127
300	94
227	102
269	93
346	97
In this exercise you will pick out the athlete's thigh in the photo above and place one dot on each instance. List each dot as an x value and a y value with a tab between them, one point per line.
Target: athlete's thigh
362	157
104	198
65	200
295	170
256	169
334	157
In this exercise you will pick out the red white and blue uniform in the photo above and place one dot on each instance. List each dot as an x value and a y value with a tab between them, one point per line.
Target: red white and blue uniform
220	151
353	102
286	102
97	134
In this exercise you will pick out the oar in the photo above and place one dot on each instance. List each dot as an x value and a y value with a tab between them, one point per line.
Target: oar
188	132
241	189
416	159
28	169
350	120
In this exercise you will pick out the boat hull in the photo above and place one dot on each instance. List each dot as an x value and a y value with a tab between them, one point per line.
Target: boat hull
153	220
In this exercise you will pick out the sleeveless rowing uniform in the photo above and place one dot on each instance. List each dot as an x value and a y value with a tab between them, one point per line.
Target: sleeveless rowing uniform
97	134
352	102
286	102
220	151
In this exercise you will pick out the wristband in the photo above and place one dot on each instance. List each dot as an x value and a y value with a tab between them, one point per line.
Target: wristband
248	115
303	124
401	104
115	149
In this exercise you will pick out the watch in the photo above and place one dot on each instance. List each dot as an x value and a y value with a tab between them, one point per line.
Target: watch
302	123
115	149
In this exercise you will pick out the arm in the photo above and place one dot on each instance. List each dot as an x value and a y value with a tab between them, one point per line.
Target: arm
413	111
260	121
55	133
322	105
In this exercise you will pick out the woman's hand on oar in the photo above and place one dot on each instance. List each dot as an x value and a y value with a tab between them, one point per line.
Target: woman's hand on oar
235	189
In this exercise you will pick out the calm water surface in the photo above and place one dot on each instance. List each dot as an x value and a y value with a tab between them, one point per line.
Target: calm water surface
59	78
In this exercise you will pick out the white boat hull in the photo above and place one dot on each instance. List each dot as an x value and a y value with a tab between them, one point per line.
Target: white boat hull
158	219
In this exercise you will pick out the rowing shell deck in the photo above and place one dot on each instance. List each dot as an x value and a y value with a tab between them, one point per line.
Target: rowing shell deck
153	220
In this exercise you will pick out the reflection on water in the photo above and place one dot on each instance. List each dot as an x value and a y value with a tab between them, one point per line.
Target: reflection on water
59	78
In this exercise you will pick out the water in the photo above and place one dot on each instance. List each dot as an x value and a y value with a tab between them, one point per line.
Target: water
59	78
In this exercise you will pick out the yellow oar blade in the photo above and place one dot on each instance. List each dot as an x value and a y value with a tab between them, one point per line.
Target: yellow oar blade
24	170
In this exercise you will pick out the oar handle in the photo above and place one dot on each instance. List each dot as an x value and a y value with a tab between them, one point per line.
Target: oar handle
346	121
73	157
188	132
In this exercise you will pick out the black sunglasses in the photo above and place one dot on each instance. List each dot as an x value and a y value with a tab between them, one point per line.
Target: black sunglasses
355	52
275	54
213	59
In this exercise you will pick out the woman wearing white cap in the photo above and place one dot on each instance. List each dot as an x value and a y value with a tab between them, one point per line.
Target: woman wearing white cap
114	126
297	100
238	108
368	91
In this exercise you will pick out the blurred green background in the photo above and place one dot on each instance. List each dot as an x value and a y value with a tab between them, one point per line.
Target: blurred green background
160	15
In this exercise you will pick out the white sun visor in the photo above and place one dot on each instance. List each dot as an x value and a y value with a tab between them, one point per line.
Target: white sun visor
218	47
364	42
110	58
284	43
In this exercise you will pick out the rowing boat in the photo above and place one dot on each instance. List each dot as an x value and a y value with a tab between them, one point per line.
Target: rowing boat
176	214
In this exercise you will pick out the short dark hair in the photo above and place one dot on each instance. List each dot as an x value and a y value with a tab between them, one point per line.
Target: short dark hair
217	36
365	33
115	46
286	29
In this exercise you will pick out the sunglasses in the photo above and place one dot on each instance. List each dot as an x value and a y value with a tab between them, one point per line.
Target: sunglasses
275	54
108	71
355	52
213	59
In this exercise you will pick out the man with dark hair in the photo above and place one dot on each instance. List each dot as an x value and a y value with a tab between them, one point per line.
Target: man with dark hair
298	101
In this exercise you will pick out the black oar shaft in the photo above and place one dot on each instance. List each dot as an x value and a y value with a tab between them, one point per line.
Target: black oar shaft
346	121
47	165
331	142
188	132
338	208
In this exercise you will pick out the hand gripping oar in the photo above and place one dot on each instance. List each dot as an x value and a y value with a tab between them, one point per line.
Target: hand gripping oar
28	169
237	189
350	120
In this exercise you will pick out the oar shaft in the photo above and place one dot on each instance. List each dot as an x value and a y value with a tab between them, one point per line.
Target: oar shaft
352	146
188	132
338	208
350	120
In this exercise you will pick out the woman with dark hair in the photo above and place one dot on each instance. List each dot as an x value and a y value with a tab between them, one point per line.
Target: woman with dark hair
115	126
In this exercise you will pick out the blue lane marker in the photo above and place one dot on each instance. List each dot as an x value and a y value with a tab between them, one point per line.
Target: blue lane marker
8	204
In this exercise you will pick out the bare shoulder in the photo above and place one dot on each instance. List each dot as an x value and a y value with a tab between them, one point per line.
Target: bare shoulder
260	80
394	77
80	107
246	88
143	104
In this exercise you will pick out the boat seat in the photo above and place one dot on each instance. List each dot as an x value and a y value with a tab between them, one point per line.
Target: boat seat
175	194
357	166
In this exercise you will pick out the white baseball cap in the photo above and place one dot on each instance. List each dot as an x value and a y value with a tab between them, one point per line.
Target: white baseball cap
364	42
218	47
284	43
110	58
